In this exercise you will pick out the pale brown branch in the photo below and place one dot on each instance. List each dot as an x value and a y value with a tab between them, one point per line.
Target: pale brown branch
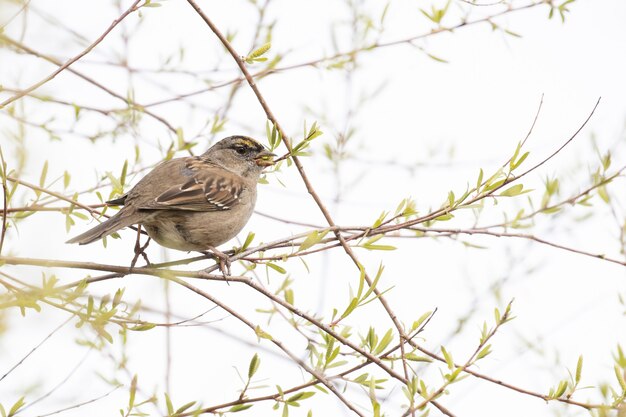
246	280
560	148
341	375
481	231
66	65
544	397
104	112
470	361
297	163
276	342
350	53
81	404
16	14
134	105
57	195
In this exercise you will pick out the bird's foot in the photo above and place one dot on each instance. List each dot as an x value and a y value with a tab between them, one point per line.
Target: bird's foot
140	250
223	260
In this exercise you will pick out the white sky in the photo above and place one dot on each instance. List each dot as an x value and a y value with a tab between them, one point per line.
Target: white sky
479	105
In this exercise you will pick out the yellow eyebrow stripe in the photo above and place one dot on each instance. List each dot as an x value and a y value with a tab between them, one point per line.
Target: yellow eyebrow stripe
251	143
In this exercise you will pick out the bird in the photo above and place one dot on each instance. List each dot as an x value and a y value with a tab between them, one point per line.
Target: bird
194	203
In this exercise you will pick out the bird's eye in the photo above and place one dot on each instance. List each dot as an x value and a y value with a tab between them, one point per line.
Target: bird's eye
240	150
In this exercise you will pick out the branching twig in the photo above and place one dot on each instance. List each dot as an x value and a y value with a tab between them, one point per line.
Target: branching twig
276	342
67	64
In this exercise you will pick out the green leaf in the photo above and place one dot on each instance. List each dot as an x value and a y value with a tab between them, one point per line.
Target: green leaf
484	352
117	298
76	111
261	333
606	161
217	125
248	241
115	183
512	161
369	245
254	365
517	163
512	191
256	55
180	139
436	58
142	327
551	210
300	396
436	14
619	374
514	34
354	302
18	404
417	323
239	407
168	404
274	138
604	195
123	174
384	342
579	368
380	219
372	287
416	358
133	391
480	179
312	238
66	179
451	199
44	173
276	268
448	357
560	389
289	296
69	222
183	408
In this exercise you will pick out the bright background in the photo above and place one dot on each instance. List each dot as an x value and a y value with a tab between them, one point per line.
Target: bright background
430	130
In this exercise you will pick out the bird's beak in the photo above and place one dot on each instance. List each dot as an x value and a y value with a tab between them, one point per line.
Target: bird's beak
265	159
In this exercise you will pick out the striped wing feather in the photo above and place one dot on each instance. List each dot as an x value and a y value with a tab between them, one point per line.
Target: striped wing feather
210	188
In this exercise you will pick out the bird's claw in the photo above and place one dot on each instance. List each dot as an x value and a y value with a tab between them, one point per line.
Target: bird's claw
223	261
140	250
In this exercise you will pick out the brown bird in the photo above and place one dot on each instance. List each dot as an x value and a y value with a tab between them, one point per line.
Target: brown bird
193	203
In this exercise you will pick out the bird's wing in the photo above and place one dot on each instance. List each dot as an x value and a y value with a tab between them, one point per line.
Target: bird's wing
208	188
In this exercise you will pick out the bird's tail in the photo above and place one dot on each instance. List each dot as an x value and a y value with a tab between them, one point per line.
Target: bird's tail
122	219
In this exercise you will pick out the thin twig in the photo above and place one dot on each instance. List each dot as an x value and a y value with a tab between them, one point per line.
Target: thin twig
36	347
350	53
82	403
276	342
520	236
246	280
127	100
66	65
16	14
